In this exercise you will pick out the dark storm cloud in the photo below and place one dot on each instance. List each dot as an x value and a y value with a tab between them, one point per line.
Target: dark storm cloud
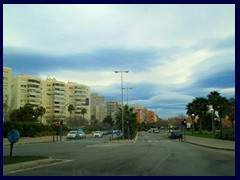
30	62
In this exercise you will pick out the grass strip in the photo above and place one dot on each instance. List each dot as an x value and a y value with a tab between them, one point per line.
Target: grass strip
19	159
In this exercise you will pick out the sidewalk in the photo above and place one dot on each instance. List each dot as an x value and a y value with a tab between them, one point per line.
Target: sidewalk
211	143
29	140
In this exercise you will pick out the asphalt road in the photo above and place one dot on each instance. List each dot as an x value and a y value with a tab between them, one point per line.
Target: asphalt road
151	155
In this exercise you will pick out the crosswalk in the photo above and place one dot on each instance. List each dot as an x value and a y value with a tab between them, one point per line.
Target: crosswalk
154	141
87	141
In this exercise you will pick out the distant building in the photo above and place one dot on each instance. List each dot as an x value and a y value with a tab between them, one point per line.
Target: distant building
98	107
79	96
113	108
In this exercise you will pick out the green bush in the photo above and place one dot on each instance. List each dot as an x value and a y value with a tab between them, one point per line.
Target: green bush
228	134
29	129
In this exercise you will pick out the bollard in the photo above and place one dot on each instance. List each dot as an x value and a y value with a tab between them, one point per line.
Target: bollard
57	138
53	138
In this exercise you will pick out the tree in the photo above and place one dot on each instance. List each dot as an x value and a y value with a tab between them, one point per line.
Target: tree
40	111
130	118
83	111
109	120
70	109
24	114
201	107
231	110
213	99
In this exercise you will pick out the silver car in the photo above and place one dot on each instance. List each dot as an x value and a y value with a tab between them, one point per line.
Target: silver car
73	135
82	135
98	134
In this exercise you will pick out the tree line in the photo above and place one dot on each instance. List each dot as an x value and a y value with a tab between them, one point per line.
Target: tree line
200	107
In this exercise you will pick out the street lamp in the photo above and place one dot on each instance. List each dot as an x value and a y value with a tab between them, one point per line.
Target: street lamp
193	116
127	93
122	97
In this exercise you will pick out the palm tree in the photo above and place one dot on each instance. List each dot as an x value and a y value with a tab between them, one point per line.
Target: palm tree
213	99
40	111
201	106
70	109
219	104
83	111
130	119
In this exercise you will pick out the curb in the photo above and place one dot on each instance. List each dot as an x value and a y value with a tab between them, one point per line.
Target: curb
11	168
211	147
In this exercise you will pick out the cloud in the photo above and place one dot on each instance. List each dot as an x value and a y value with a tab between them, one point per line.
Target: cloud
173	52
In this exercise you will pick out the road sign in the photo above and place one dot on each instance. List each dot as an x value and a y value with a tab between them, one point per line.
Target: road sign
118	133
57	124
79	129
13	136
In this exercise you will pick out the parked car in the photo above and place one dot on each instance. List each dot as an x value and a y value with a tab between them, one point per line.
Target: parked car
175	134
82	135
106	132
153	130
98	134
73	135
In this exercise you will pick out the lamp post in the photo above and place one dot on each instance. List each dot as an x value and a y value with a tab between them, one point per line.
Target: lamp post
122	97
193	116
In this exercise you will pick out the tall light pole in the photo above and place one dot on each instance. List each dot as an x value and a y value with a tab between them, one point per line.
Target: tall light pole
127	93
193	128
122	97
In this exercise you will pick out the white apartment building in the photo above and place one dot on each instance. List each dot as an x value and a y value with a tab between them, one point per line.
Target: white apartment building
53	99
53	95
26	89
79	96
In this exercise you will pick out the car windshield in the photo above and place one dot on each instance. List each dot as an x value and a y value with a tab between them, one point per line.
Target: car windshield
72	132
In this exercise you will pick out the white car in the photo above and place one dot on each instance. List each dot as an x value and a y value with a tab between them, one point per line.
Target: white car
73	135
98	134
153	130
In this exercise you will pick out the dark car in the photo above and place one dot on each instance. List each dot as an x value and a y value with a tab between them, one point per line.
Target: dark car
175	135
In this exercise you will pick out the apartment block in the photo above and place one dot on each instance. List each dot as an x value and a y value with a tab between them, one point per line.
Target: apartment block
79	96
140	113
7	93
98	107
26	89
53	99
52	94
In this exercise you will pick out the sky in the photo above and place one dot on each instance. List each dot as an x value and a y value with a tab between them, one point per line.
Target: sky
174	53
